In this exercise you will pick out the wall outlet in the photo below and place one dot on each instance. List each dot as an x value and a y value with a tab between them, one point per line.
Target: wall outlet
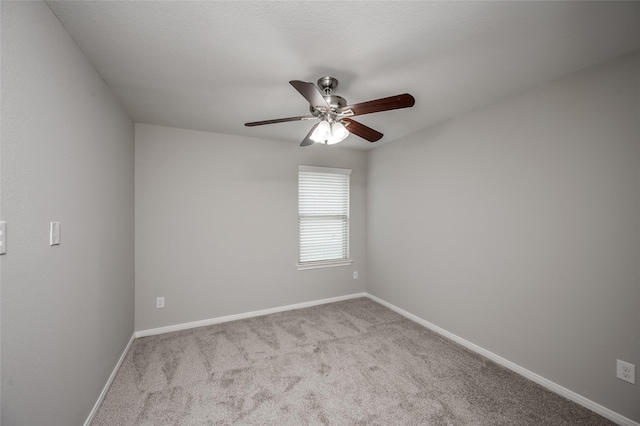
355	275
160	302
626	372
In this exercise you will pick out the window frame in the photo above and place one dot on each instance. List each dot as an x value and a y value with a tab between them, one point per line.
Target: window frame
325	263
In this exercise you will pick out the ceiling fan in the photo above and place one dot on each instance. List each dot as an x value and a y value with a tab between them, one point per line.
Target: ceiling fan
334	113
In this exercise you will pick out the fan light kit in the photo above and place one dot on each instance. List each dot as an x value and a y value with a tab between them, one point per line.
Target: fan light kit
334	113
329	133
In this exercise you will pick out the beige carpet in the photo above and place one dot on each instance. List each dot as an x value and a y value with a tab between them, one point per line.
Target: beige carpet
346	363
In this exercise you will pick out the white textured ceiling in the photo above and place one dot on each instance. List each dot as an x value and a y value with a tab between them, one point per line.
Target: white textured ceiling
213	66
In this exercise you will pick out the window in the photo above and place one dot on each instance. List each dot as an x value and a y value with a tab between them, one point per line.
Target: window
323	217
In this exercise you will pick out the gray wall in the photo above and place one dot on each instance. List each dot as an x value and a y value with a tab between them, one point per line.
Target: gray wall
516	227
217	225
67	156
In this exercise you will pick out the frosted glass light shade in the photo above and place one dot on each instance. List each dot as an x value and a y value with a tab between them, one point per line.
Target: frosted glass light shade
338	133
329	133
322	132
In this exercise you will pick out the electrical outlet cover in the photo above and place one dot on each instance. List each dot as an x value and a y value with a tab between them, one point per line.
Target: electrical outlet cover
626	372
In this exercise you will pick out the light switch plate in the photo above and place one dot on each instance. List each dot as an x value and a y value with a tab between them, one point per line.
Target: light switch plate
54	233
3	237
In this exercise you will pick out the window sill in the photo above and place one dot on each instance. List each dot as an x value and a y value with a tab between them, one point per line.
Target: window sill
327	264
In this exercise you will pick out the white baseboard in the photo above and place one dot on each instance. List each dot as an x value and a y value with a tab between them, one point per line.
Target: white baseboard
202	323
554	387
94	410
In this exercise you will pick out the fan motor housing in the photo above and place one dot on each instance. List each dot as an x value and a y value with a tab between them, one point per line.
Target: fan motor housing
334	101
326	86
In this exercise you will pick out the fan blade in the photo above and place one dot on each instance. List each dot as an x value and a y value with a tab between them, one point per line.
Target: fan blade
280	120
363	131
385	104
307	139
310	93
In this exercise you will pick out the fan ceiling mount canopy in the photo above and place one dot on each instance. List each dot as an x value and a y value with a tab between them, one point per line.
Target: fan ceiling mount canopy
335	114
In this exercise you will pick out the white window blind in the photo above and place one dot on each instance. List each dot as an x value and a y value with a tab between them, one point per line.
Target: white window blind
323	216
